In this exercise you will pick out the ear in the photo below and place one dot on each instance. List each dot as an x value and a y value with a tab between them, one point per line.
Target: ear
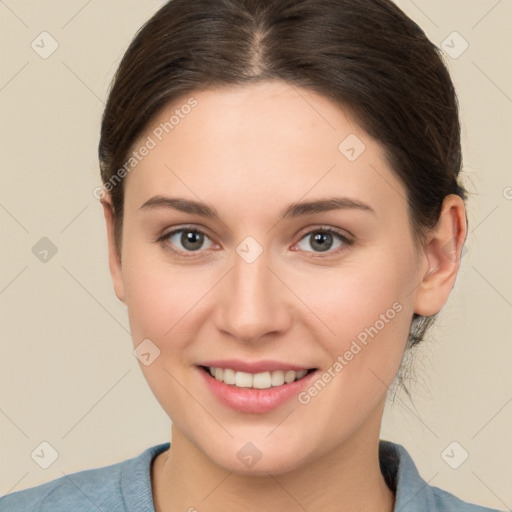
114	258
443	252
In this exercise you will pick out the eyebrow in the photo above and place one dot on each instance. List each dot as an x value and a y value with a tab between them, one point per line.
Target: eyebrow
293	210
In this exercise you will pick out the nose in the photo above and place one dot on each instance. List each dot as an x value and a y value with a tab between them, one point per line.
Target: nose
255	302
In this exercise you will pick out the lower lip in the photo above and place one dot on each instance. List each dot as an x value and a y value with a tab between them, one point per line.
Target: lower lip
252	400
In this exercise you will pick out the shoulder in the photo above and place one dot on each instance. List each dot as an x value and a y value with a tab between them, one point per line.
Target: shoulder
444	501
413	493
78	492
104	488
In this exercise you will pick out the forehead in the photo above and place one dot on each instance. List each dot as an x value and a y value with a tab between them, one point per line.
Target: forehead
260	146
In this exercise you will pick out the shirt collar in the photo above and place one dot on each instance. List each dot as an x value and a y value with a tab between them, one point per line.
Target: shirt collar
412	493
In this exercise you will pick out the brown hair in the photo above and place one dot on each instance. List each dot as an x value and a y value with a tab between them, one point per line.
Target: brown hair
365	55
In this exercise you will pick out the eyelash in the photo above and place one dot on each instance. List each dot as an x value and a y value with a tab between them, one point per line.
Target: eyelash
347	242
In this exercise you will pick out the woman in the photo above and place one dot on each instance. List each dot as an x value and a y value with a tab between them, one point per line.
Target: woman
284	221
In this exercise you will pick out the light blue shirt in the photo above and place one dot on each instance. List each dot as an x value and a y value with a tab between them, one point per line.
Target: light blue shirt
126	487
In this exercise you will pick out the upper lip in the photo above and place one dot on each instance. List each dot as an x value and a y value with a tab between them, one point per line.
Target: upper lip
253	366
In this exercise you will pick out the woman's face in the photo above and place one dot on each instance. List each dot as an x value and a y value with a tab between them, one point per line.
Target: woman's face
255	285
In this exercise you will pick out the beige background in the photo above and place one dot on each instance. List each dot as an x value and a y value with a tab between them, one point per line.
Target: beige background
67	372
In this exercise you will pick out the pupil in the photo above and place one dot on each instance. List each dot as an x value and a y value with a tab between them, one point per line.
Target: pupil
193	238
320	238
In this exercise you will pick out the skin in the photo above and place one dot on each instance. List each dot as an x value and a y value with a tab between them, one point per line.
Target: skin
249	152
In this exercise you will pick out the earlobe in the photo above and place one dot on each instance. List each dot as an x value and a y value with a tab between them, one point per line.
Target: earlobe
114	258
442	257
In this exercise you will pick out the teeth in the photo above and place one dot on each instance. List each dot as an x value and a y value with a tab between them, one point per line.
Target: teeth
229	376
242	380
262	380
289	377
277	378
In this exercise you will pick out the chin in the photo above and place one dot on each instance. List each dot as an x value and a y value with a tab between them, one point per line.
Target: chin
275	464
258	457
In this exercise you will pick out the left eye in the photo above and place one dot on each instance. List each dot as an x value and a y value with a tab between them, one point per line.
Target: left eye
323	239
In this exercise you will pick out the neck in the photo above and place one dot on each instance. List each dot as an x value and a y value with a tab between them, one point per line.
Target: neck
346	479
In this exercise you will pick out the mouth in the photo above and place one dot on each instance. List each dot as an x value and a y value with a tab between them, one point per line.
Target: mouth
261	380
265	388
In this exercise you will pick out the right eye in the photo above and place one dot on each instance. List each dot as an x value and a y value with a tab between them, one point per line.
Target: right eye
191	240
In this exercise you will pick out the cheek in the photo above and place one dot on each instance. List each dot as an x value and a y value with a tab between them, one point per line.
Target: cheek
163	299
160	301
358	295
154	300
